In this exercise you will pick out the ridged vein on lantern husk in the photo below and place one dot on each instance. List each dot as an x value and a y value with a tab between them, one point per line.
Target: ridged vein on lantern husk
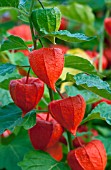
26	95
69	112
47	64
89	157
46	133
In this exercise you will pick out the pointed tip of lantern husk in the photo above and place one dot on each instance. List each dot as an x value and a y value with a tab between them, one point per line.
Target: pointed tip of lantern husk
23	114
73	131
53	88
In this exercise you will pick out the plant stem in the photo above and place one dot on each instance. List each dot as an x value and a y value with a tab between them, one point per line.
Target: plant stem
28	76
41	4
101	50
21	66
101	46
33	36
70	145
51	94
41	111
31	26
60	93
32	32
51	98
41	42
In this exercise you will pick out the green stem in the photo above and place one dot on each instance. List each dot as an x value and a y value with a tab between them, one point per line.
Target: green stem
70	145
28	76
33	36
31	25
60	93
32	32
41	42
41	111
51	98
21	66
101	46
101	50
41	4
51	94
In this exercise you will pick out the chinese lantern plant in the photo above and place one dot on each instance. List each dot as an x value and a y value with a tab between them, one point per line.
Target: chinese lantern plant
46	61
26	92
47	130
92	156
69	112
60	115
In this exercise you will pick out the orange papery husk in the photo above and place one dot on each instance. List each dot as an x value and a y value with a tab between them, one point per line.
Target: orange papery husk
55	151
47	64
46	133
26	95
69	112
89	157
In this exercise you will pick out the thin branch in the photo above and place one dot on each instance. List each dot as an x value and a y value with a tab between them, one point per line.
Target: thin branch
32	32
41	111
41	4
41	42
21	66
70	144
60	93
51	94
28	75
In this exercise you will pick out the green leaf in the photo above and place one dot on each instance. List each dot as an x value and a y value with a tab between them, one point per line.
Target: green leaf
103	130
11	116
8	3
5	97
13	43
67	36
13	152
40	160
6	68
94	4
101	111
24	6
78	12
92	83
18	58
23	18
56	2
29	120
97	4
5	80
79	63
88	96
47	19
